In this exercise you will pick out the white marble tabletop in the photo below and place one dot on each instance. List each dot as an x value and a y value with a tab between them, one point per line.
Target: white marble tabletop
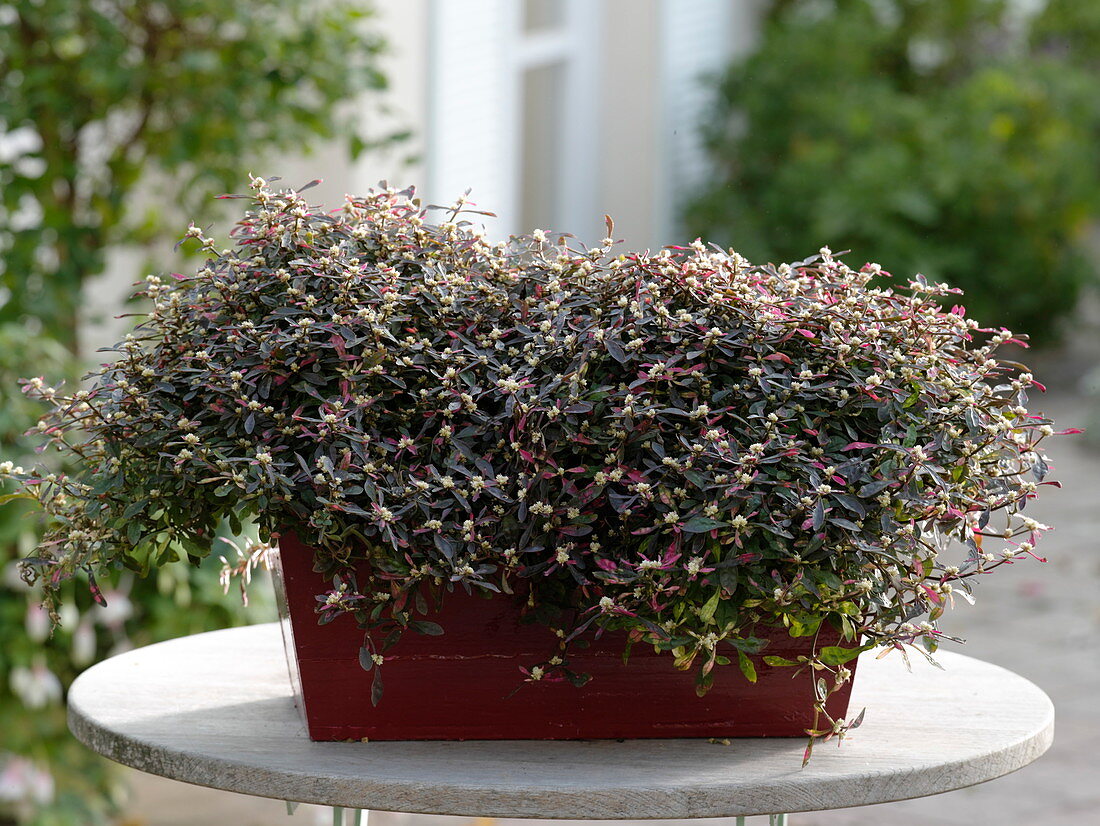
216	710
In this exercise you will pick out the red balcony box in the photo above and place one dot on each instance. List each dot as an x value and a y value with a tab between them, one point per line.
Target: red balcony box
463	685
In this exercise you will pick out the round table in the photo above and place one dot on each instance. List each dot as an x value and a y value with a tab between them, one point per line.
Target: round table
217	710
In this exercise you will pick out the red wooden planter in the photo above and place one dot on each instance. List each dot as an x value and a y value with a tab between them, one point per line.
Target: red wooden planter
462	685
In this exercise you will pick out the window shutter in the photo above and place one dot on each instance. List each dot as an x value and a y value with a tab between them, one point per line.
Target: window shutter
698	39
471	100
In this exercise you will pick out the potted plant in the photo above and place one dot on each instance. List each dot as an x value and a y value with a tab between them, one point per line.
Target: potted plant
513	463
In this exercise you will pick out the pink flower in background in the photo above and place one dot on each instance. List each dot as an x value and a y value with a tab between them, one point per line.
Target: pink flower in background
21	780
84	643
117	610
37	622
37	686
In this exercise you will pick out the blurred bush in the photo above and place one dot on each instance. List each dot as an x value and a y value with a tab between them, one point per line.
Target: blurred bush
179	95
174	99
47	778
958	139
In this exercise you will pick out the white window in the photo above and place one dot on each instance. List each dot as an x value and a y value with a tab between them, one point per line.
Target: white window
512	110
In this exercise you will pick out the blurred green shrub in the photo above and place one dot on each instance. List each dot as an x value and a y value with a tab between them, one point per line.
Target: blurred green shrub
958	139
181	95
47	778
98	101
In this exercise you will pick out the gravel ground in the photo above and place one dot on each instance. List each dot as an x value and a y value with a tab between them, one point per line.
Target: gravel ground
1039	620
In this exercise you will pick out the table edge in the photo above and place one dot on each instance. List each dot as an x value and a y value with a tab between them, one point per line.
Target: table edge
549	802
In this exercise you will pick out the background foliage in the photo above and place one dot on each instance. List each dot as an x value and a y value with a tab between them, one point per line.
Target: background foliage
104	108
957	139
46	776
96	98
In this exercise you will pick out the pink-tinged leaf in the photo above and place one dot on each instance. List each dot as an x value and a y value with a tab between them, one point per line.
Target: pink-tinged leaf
575	530
1042	387
859	446
856	723
778	357
97	594
1069	431
805	333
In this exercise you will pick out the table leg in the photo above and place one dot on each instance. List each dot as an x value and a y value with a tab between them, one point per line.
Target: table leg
357	818
360	817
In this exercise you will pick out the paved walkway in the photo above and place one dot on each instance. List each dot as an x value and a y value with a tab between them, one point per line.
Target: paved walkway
1041	621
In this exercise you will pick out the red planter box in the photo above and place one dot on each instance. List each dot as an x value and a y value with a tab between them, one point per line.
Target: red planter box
462	685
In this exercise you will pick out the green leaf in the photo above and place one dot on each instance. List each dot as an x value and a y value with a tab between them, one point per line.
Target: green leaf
376	688
747	668
706	613
804	626
837	655
779	662
134	508
430	629
702	524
